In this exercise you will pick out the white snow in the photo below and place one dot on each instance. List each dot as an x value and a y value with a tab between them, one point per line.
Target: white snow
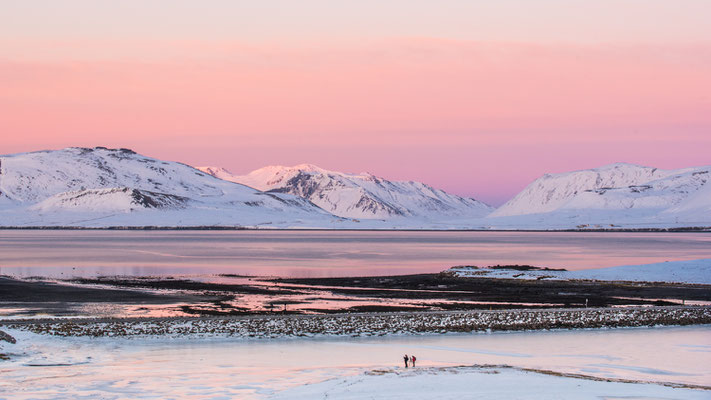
116	187
360	196
121	199
477	383
99	187
617	195
43	366
554	191
690	271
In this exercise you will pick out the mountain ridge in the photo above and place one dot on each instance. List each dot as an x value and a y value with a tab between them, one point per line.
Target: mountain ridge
613	195
361	196
101	187
116	187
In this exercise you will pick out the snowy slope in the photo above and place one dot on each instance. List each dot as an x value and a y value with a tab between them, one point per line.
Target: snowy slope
116	199
554	191
100	187
359	196
615	195
116	187
691	271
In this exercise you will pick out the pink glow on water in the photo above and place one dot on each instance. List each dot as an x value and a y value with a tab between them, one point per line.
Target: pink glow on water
322	254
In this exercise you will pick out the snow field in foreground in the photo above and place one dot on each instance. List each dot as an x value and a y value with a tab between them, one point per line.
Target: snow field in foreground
479	383
44	366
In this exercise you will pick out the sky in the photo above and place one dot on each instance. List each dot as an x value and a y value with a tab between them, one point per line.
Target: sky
478	98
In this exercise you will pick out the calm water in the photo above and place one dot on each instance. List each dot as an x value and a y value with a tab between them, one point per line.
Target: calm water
323	253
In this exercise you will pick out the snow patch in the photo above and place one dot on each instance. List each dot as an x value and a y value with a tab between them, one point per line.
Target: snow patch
692	271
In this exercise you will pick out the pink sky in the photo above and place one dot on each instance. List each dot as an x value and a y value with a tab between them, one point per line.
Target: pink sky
465	104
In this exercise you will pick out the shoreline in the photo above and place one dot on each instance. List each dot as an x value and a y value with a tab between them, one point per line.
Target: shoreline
366	324
233	296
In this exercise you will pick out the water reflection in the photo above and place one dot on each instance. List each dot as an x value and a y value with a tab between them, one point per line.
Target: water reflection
323	254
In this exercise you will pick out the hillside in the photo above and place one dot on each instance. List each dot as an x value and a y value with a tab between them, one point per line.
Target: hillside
617	195
359	196
117	187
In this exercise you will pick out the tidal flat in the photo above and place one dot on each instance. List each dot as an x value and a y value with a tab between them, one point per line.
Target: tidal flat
300	315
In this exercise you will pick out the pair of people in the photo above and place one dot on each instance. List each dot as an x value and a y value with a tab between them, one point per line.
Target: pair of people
411	359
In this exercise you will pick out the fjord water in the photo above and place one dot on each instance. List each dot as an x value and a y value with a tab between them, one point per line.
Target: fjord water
66	253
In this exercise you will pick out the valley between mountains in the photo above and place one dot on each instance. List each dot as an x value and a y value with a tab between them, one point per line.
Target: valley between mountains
118	188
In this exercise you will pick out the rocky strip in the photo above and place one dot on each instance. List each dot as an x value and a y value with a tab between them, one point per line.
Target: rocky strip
7	337
369	324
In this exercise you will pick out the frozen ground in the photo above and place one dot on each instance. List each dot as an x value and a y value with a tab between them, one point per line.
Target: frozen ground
479	383
44	367
692	271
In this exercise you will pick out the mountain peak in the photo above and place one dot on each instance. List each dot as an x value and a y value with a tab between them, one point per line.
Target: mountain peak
217	172
614	186
308	168
620	165
101	187
360	196
117	187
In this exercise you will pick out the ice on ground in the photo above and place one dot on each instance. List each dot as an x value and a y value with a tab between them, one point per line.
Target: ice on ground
691	271
478	383
42	366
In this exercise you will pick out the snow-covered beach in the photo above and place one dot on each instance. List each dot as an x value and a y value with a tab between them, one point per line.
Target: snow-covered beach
482	382
660	362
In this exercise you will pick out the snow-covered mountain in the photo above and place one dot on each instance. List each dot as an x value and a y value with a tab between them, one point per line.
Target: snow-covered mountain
617	194
117	187
100	187
359	196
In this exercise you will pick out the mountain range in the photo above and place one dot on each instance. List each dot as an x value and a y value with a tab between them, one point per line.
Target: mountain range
101	187
358	196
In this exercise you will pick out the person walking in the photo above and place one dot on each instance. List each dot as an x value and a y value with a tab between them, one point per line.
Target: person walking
412	360
406	358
